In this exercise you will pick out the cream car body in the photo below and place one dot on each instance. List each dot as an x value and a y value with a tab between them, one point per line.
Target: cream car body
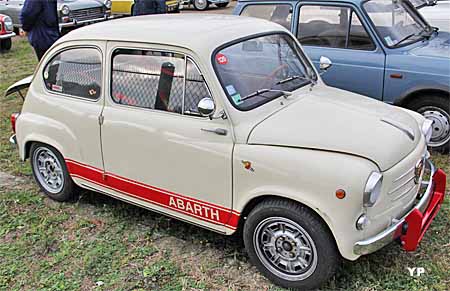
303	147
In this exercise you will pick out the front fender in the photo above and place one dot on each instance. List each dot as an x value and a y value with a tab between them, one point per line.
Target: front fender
310	177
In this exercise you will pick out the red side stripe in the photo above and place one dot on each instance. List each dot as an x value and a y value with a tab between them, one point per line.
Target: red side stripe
192	207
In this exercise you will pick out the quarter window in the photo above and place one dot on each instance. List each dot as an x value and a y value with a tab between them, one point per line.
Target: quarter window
76	72
281	14
196	88
336	27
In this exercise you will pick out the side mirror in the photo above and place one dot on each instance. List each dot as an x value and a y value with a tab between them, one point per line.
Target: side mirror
325	63
206	107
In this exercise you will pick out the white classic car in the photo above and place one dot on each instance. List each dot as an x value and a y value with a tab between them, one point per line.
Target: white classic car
230	130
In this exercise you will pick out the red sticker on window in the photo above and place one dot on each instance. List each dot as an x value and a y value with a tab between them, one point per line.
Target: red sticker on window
221	59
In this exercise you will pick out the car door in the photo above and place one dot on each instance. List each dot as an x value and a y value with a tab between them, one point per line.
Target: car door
157	149
338	33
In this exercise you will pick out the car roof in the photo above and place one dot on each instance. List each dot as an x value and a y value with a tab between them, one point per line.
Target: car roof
199	33
357	2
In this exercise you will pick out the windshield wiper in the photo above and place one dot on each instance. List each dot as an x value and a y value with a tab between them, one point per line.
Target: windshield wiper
262	91
421	34
291	78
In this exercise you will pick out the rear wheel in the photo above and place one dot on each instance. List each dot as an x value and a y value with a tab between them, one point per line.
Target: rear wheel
222	5
437	109
201	5
290	244
51	174
5	44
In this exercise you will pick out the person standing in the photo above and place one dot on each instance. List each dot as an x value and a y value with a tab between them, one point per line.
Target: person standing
146	7
39	20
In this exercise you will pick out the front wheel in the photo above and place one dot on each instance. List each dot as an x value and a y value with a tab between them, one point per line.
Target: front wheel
222	5
201	5
290	244
436	109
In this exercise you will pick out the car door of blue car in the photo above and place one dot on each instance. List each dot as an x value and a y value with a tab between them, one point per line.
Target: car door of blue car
338	32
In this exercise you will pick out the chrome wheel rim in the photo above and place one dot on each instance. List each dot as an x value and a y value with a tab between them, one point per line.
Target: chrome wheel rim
201	4
48	170
285	248
441	124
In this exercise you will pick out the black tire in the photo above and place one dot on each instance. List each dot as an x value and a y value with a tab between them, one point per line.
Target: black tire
324	255
198	5
5	44
68	191
222	5
436	108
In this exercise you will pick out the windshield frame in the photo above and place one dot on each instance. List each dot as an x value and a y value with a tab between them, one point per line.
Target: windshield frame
411	10
303	58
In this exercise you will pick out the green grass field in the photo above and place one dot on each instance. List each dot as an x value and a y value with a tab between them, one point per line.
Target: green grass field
103	244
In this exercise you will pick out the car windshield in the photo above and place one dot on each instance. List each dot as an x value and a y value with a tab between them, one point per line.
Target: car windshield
258	70
396	21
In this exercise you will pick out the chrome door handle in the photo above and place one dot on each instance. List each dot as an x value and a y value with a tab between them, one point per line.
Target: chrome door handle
218	131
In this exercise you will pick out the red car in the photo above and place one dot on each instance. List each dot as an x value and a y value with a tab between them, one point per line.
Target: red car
6	32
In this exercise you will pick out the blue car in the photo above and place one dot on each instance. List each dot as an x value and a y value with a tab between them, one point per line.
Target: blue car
383	49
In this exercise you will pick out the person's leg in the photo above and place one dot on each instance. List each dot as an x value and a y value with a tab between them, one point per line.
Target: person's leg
39	53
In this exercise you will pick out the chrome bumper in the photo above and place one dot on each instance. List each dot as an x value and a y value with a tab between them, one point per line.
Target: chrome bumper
13	140
8	35
75	22
394	231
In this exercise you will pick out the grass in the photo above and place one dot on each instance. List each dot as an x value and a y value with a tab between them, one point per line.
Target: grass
103	244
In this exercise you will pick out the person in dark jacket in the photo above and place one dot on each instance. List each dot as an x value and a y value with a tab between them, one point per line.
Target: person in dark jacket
39	20
145	7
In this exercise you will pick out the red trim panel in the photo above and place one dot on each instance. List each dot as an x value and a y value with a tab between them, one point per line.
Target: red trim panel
418	222
202	210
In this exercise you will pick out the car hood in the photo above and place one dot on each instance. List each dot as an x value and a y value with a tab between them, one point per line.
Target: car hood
437	47
335	120
80	4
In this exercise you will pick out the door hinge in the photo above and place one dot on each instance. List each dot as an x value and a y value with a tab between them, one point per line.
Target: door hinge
101	118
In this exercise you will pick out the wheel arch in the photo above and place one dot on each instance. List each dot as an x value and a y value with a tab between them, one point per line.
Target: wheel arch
253	202
416	93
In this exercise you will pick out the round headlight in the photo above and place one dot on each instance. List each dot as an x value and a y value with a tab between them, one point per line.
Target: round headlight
372	190
8	23
65	10
108	4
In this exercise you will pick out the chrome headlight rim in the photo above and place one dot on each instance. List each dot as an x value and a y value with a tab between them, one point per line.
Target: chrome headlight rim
108	4
7	21
372	190
65	10
427	129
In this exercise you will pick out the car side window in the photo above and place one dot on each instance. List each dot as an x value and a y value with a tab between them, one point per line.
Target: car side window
76	72
278	13
196	88
148	79
332	26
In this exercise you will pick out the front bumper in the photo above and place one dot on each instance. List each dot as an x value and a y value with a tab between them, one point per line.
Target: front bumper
75	22
7	35
411	228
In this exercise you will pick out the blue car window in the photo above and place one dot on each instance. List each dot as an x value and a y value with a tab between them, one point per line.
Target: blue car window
278	13
332	26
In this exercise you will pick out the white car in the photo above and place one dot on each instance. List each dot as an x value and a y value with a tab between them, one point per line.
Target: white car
230	130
